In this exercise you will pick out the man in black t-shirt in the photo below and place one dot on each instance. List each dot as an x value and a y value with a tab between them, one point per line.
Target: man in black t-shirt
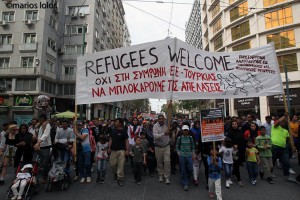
118	147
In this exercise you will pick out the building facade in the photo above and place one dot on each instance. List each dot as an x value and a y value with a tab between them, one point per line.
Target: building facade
233	25
39	46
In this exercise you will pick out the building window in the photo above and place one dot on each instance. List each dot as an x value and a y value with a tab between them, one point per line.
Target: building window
73	49
69	69
272	2
78	9
29	38
5	39
97	33
31	15
218	43
215	10
27	62
239	11
279	18
240	31
51	44
49	66
217	26
290	61
26	84
97	14
243	46
282	40
76	29
53	22
4	62
48	86
8	16
69	89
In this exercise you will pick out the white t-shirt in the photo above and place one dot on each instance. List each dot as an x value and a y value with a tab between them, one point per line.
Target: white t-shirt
102	150
227	154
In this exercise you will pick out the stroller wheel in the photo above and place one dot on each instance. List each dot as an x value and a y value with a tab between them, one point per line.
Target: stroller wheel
27	198
66	185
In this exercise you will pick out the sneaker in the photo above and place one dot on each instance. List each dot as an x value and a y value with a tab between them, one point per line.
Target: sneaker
273	176
196	182
290	179
101	180
161	179
139	183
167	181
254	181
1	182
227	184
230	182
19	197
261	175
211	195
291	171
92	169
88	179
98	180
278	164
82	180
120	183
186	188
240	184
75	178
14	197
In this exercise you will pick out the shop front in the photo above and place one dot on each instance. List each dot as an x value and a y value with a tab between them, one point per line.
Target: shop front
277	106
23	109
247	106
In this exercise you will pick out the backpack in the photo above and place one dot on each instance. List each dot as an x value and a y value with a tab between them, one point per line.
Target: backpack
191	144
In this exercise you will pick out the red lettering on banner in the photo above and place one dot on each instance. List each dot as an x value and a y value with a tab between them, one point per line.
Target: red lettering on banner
98	92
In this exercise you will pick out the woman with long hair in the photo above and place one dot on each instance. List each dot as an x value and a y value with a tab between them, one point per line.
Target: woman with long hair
239	143
24	146
252	133
10	148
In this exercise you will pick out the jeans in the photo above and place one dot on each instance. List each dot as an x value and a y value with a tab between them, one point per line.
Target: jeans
215	186
44	155
228	170
252	170
186	169
236	169
138	170
84	164
101	168
283	155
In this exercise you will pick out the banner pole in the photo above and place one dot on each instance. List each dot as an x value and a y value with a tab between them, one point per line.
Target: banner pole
169	114
214	149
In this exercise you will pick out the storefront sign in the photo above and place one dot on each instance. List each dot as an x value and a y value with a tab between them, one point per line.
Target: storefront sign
23	101
277	100
220	103
245	103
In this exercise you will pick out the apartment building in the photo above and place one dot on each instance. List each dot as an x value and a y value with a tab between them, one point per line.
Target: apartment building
233	25
39	48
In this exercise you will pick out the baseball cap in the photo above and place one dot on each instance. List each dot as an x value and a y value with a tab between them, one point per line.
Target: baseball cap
185	127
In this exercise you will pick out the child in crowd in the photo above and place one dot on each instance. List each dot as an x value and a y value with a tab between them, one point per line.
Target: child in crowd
227	151
252	161
264	145
101	156
214	175
139	158
145	145
22	179
196	167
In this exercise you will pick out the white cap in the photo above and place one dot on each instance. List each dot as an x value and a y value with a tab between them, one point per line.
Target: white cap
185	127
27	166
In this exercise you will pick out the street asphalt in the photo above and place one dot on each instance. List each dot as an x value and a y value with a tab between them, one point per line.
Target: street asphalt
151	189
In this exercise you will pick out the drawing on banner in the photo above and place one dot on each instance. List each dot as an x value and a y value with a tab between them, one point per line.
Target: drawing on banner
255	83
224	83
238	84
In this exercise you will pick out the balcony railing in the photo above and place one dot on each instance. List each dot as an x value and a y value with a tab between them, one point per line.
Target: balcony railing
27	47
18	71
51	52
48	74
6	48
67	77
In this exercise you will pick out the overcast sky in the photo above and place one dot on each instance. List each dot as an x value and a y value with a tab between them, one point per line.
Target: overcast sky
146	28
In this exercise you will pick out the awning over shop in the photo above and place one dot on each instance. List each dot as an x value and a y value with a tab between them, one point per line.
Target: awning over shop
3	108
22	108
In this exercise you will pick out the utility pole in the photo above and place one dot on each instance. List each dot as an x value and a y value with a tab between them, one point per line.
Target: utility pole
82	53
287	89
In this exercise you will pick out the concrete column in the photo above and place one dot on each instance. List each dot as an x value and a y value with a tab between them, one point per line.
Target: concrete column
264	108
232	111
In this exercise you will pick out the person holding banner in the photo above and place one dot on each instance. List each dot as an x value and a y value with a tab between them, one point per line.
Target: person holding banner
162	149
239	143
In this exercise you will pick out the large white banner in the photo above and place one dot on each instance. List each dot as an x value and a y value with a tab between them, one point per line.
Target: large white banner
172	69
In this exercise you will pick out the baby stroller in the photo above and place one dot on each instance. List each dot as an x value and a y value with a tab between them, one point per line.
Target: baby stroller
32	187
59	173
